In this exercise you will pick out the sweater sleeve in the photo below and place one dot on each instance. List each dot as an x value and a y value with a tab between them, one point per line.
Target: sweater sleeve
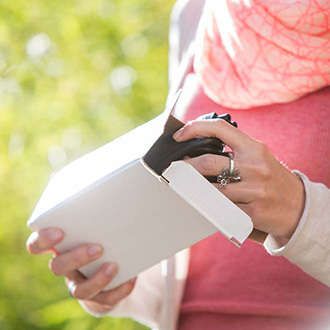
309	246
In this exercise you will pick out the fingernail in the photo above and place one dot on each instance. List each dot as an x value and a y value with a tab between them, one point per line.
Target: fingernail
110	270
94	250
33	237
54	234
178	134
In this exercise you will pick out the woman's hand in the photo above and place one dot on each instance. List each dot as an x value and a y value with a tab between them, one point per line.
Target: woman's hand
268	192
87	289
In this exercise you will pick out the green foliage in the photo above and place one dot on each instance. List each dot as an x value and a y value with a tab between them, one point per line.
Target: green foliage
73	75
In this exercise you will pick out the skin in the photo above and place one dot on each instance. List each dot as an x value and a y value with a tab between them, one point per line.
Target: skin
268	192
259	194
66	265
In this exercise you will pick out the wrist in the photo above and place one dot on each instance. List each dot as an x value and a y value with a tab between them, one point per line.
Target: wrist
295	207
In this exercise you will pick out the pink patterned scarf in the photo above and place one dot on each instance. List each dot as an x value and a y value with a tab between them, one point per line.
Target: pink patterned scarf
257	52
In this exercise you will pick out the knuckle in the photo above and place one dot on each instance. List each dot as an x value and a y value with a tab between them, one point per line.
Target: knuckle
190	126
208	163
101	281
263	171
220	123
79	256
262	193
262	149
78	292
55	266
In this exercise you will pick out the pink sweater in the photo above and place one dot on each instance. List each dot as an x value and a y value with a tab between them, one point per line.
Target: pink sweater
230	288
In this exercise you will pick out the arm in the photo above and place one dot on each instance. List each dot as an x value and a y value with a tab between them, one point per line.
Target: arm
298	217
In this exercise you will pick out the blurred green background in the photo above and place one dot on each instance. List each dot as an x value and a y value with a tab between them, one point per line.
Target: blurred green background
73	75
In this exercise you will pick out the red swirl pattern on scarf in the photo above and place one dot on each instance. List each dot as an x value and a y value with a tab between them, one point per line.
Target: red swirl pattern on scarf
254	53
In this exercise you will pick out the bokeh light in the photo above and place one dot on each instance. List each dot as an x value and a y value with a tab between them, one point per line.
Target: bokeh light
73	76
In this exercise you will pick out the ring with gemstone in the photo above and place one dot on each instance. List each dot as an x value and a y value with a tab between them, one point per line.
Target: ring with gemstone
229	175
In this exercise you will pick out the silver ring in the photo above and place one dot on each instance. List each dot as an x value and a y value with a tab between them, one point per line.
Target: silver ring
231	163
230	175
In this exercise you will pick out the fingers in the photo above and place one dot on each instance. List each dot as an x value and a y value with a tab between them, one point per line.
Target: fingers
89	288
67	264
75	258
211	165
208	164
44	240
75	276
218	128
114	296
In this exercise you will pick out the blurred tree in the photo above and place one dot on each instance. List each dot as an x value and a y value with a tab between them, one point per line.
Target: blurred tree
73	75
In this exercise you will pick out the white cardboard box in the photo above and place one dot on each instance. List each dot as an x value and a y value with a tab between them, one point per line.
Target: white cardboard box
111	197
